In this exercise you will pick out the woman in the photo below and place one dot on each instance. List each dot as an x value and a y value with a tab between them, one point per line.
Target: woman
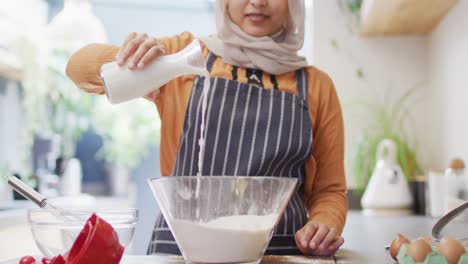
289	114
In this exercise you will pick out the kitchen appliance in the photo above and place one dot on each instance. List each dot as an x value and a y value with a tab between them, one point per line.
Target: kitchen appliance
387	191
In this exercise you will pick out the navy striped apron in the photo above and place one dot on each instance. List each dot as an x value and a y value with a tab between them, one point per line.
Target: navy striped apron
250	131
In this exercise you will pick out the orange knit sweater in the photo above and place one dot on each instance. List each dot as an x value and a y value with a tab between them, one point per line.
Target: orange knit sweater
325	185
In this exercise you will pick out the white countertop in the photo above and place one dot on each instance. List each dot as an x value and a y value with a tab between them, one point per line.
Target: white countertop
366	236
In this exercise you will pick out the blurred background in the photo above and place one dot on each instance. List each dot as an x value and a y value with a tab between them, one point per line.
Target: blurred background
399	74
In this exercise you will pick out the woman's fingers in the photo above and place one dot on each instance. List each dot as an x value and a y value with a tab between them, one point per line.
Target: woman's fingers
322	231
309	233
329	238
138	50
304	235
144	47
318	239
335	245
124	44
300	237
150	56
130	48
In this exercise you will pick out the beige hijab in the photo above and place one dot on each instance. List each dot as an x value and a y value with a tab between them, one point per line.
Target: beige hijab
275	54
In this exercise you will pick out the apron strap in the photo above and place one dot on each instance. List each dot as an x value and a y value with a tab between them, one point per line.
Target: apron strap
302	85
274	82
210	61
234	72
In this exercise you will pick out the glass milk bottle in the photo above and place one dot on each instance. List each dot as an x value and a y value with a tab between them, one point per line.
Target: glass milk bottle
122	84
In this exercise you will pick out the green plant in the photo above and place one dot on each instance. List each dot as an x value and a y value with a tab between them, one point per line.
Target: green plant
388	120
52	103
129	131
351	9
55	106
70	109
354	6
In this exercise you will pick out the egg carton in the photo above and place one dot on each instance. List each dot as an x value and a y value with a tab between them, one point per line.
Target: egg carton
432	258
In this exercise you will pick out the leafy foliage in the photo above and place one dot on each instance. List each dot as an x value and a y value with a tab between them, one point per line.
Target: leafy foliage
388	120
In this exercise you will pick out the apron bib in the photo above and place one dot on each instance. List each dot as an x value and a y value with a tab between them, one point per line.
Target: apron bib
250	131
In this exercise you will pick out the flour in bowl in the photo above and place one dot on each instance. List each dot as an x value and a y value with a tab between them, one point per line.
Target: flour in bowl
239	238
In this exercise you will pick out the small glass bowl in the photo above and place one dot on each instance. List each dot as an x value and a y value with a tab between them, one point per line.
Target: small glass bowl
55	231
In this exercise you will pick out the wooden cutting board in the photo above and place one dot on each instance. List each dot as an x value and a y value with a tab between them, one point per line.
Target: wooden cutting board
297	259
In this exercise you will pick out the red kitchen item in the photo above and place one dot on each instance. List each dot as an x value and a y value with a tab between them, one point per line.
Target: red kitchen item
27	260
97	243
56	260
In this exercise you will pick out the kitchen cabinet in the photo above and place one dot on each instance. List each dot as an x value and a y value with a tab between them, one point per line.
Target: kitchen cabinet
402	17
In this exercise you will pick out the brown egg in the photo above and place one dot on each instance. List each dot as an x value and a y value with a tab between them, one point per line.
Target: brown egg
451	248
396	245
428	239
418	250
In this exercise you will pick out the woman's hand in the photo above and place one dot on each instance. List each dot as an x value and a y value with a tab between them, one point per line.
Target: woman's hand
318	239
138	50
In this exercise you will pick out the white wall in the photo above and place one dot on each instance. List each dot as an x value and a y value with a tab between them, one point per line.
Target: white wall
15	16
448	55
388	63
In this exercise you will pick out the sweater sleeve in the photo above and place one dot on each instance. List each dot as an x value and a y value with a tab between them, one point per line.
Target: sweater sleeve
325	184
84	66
